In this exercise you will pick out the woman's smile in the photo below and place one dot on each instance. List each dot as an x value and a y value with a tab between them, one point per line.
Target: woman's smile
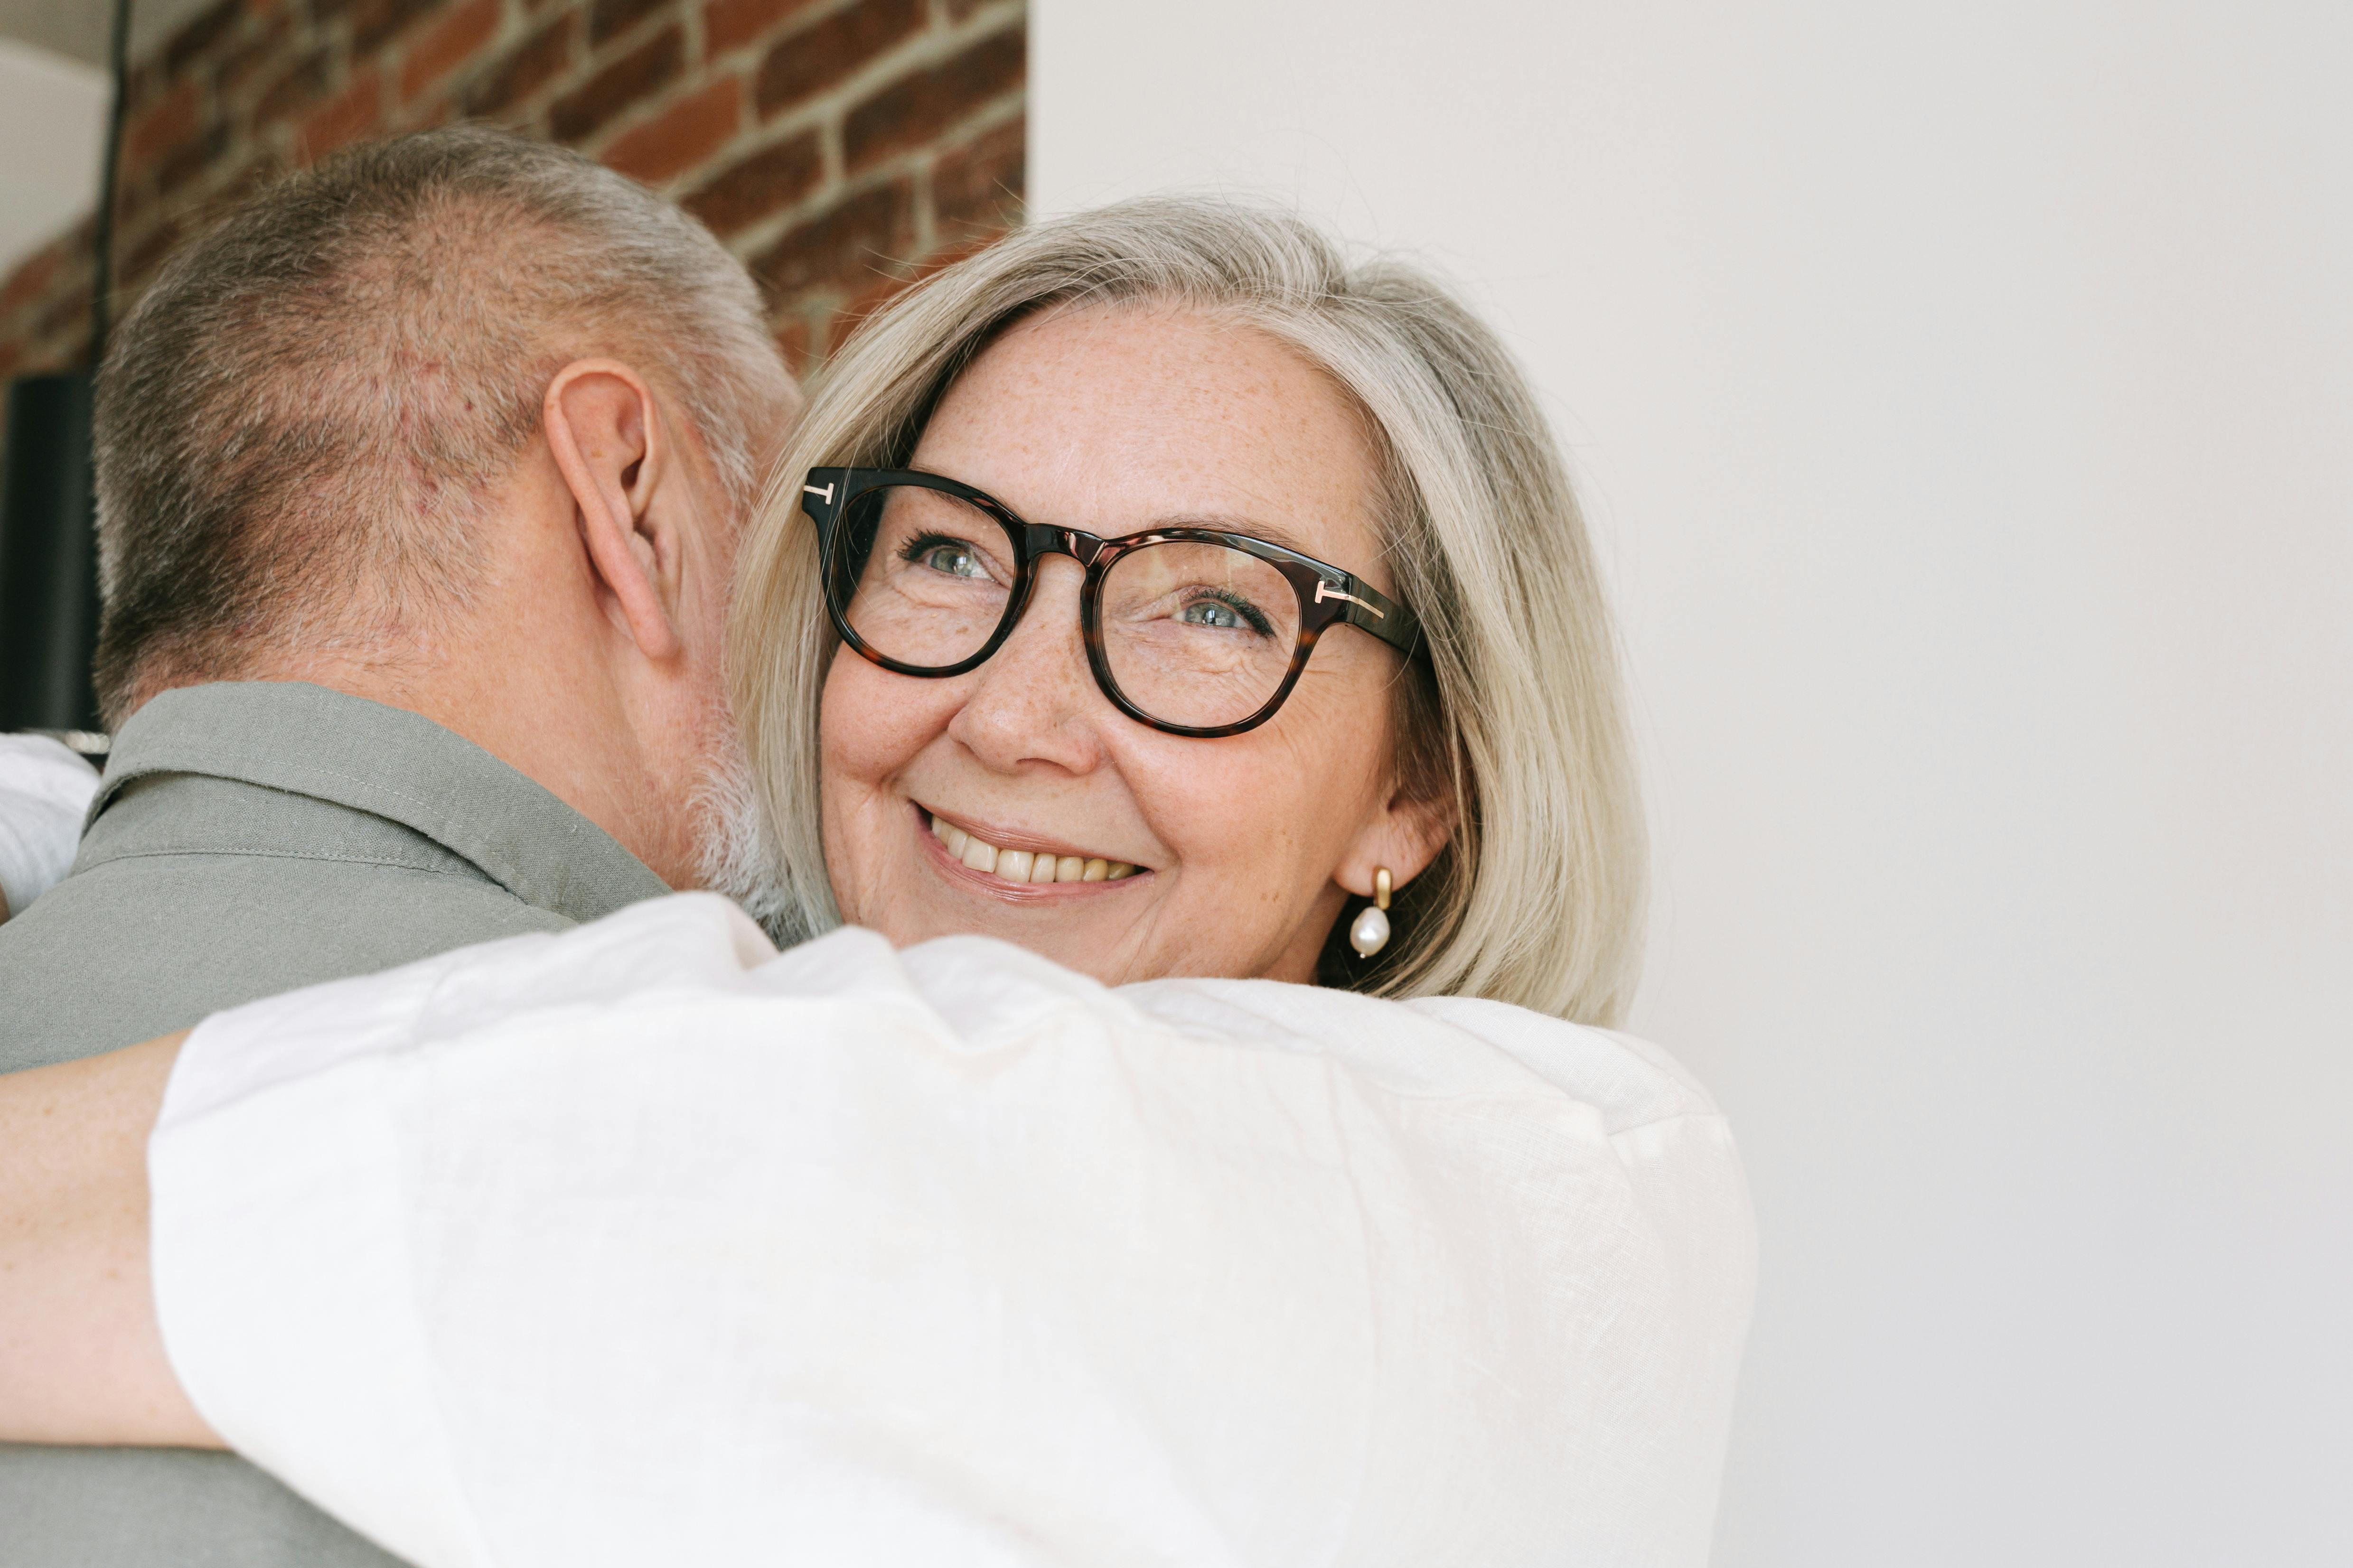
1014	864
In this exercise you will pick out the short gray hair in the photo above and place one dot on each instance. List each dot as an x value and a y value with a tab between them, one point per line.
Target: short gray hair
298	425
1514	712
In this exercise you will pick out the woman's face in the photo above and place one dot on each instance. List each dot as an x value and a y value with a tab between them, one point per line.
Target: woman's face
1114	421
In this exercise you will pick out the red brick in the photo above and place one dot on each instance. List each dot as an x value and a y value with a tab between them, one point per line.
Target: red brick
256	172
299	87
185	164
145	80
52	359
133	199
27	281
447	44
729	23
528	66
611	18
848	248
196	36
147	255
173	119
981	183
768	180
63	305
259	51
913	111
376	22
619	87
205	102
808	62
681	136
356	112
852	313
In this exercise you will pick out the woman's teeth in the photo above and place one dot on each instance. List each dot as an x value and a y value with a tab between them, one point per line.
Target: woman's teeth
1020	865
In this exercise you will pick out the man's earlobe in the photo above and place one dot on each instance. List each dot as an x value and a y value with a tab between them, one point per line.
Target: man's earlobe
605	431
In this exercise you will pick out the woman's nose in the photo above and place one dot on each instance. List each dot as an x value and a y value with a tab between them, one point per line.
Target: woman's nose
1035	701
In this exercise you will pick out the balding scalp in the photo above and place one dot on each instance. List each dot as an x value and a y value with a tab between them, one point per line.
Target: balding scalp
299	424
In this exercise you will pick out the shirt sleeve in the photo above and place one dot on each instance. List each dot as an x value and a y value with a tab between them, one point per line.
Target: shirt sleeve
645	1243
45	789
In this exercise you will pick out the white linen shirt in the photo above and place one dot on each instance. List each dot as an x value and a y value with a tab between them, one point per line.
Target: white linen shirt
45	791
644	1243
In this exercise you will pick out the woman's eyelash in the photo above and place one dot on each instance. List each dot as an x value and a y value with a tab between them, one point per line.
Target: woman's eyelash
1239	605
922	544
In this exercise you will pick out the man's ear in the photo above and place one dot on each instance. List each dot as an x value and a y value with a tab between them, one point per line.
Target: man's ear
1405	835
606	433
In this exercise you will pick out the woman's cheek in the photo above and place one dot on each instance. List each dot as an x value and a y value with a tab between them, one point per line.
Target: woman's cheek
872	722
1223	805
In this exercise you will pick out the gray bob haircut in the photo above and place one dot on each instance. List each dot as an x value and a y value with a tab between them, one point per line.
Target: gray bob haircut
298	426
1513	714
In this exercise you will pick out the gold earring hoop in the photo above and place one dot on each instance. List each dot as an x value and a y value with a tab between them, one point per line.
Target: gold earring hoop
1370	933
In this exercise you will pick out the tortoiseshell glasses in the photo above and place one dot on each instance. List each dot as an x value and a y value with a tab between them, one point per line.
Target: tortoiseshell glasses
1194	631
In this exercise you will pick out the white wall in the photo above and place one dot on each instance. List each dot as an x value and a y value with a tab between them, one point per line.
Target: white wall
1964	396
52	137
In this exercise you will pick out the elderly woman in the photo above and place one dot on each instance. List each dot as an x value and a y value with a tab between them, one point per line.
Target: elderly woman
1187	611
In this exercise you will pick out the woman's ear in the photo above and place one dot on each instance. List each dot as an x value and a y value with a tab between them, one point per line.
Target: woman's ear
605	432
1405	836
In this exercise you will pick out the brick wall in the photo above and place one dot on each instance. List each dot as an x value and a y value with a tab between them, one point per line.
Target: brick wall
837	146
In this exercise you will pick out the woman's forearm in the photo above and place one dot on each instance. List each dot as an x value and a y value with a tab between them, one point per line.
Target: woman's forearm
82	1359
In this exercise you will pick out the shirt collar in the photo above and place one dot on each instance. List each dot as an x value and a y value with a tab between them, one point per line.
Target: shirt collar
307	740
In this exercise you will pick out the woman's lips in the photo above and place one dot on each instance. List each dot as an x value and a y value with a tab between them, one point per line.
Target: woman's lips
1003	868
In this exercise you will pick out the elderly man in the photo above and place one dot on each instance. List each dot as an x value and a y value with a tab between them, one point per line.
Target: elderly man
420	479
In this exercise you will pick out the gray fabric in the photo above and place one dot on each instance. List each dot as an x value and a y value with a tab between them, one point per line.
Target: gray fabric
251	838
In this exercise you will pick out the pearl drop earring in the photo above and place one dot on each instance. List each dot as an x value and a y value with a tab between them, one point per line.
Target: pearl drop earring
1370	933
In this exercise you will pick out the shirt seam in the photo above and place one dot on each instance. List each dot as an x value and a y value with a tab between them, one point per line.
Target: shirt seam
436	821
265	854
314	770
433	820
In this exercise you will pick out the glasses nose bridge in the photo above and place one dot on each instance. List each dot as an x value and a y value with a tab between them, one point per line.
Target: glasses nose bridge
1044	539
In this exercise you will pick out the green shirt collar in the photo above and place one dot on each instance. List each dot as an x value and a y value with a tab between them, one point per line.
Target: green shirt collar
307	740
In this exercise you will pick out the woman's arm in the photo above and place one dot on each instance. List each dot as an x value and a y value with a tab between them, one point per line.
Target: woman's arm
81	1359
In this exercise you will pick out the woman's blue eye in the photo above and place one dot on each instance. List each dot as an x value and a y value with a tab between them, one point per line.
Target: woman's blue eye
1210	612
1222	615
945	555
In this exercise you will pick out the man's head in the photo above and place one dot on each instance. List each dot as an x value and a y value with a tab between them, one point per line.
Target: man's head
458	421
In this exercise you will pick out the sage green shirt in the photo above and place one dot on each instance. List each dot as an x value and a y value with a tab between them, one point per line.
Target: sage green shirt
250	838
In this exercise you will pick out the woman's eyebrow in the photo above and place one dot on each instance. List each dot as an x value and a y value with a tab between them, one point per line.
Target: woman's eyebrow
1272	533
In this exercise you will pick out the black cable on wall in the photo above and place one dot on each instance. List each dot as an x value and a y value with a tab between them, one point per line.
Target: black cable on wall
48	516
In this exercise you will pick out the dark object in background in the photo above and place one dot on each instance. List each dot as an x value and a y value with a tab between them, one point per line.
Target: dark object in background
49	509
49	558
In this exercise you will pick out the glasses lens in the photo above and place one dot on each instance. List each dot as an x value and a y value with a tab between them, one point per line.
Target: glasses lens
922	577
1198	635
